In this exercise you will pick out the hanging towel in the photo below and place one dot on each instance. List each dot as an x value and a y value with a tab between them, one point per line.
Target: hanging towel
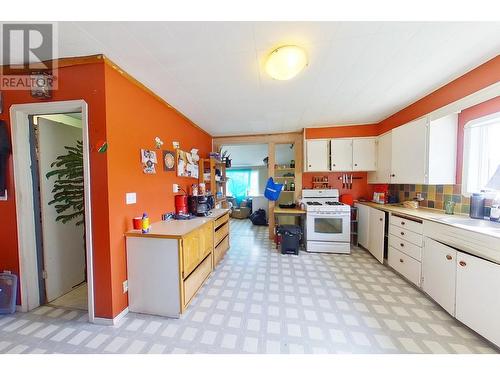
5	150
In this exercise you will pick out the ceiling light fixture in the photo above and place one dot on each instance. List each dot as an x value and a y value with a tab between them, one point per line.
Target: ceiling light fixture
286	62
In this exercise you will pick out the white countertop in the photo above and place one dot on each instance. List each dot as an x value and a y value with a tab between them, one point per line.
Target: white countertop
486	227
177	228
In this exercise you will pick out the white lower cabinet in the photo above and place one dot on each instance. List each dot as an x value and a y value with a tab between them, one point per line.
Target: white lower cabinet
439	273
478	296
405	265
376	234
363	224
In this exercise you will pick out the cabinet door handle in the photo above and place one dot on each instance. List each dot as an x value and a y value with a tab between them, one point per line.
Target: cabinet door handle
402	244
381	219
355	164
402	233
309	165
401	260
462	263
393	175
449	257
402	223
334	165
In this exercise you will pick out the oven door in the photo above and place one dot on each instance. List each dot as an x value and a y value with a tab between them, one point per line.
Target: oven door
328	227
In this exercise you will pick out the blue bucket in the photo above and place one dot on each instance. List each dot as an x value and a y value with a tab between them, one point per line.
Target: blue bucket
273	190
8	293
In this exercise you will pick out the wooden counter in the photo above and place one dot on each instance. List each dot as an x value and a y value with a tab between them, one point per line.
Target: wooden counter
289	211
177	228
168	265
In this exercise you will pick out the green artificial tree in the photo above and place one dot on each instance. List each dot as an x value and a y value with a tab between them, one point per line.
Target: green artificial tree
68	191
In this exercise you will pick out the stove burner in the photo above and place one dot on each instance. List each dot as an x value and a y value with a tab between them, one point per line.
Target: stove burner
313	203
334	203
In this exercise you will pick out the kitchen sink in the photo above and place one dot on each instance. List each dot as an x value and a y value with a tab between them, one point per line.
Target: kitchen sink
474	223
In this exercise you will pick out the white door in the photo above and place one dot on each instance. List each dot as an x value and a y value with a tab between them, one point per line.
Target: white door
439	268
63	244
341	153
376	234
317	155
478	296
409	153
363	224
384	154
364	154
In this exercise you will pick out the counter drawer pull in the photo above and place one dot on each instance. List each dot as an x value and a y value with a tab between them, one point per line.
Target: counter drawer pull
401	260
462	263
402	223
449	257
402	244
402	233
381	219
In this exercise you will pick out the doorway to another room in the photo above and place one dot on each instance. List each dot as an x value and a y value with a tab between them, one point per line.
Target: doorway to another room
56	144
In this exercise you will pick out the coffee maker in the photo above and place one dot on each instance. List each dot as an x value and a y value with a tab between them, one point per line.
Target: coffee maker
200	205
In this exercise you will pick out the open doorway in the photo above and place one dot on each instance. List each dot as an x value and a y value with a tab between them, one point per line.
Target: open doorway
246	178
56	144
26	215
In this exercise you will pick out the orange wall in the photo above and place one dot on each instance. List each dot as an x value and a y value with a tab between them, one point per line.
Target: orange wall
360	188
342	131
134	118
475	80
76	82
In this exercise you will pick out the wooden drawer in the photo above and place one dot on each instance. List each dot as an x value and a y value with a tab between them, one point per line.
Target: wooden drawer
221	250
405	234
221	220
408	224
220	233
196	279
406	247
405	265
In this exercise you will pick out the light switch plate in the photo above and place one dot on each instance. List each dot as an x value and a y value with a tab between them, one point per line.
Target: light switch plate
175	188
130	198
125	286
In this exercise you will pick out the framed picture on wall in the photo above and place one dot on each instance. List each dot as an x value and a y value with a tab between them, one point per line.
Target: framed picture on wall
168	161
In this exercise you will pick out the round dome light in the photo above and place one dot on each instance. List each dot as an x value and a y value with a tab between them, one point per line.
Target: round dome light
286	62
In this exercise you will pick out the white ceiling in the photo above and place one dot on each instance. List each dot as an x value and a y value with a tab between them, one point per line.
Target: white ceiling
359	72
253	155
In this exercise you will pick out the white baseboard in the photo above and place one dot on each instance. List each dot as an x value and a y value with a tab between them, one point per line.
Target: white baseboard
109	321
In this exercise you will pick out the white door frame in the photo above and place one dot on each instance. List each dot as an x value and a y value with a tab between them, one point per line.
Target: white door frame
28	270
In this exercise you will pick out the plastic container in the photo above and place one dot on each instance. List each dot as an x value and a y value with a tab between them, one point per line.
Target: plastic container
290	238
8	293
477	206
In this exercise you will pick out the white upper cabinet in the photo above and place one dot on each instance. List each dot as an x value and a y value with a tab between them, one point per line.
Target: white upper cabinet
341	154
364	154
384	160
422	151
317	154
409	153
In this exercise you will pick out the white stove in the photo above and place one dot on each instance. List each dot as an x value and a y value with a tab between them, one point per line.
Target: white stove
328	222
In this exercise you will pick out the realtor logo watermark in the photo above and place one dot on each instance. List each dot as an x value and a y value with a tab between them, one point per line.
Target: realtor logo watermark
28	52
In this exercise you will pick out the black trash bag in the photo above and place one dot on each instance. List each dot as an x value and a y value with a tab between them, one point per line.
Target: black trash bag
258	217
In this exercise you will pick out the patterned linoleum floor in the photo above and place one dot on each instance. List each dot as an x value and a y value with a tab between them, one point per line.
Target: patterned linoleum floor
258	301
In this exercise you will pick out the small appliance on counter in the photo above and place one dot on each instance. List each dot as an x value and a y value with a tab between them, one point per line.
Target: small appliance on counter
495	212
200	205
181	204
477	206
379	197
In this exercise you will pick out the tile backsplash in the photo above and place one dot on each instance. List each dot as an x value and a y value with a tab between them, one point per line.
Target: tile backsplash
434	196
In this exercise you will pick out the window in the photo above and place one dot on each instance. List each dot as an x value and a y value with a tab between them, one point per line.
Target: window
481	152
242	183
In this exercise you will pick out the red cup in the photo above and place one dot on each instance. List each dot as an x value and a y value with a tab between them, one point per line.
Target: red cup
137	221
